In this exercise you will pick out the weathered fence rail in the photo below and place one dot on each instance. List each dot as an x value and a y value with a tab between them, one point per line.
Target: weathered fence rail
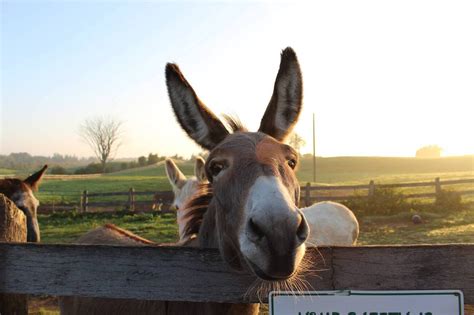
310	198
161	198
200	275
189	274
310	194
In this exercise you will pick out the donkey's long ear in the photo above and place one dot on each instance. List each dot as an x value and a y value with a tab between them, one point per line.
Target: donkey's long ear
193	116
175	176
34	180
199	169
285	105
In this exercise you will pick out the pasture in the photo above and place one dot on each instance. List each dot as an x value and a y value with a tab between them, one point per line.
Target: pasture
331	171
438	227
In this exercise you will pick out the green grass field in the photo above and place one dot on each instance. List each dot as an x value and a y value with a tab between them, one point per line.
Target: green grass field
66	227
453	227
438	227
339	170
7	172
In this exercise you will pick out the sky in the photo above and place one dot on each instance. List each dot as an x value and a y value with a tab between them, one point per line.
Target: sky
383	78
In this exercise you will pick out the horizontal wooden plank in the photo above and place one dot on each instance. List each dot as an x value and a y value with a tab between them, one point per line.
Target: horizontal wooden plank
402	185
106	194
415	195
329	198
60	193
151	202
406	267
170	273
395	185
424	184
423	195
338	187
457	181
160	194
165	195
107	204
145	193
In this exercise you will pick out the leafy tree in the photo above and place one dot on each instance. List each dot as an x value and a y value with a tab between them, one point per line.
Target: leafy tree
142	160
153	159
58	170
430	151
296	141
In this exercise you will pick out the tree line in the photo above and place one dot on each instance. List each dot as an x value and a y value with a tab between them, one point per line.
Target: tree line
26	161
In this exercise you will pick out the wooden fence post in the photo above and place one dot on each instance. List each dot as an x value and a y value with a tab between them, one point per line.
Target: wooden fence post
131	199
12	229
371	188
84	201
437	187
307	195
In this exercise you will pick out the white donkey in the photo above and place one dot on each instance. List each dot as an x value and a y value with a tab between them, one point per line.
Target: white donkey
184	188
330	223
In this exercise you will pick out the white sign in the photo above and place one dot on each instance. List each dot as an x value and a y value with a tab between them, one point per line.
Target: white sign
367	303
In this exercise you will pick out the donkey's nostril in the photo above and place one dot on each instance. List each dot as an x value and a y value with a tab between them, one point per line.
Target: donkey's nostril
255	233
303	229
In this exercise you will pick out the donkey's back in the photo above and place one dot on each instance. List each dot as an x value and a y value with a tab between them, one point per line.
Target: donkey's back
331	224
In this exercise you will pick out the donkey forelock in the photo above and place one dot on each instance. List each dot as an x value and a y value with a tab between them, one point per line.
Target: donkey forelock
248	209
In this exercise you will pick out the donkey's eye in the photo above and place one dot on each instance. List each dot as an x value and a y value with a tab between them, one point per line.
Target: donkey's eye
215	168
292	163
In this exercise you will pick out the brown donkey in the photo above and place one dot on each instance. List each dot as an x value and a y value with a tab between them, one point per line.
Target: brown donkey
249	208
21	193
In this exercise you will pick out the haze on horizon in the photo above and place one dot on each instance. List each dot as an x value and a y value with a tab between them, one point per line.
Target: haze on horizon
383	78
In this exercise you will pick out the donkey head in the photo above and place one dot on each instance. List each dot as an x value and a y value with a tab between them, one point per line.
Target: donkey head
21	193
183	187
257	222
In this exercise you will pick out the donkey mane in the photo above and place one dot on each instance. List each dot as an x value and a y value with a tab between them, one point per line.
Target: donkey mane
196	207
234	123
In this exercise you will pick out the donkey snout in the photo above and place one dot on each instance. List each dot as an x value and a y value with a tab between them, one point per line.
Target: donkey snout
302	232
284	232
255	232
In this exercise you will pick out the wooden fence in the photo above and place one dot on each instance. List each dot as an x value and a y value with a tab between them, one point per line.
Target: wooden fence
310	194
190	274
160	199
437	184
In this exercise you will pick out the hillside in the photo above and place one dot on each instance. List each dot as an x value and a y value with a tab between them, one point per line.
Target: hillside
348	169
361	169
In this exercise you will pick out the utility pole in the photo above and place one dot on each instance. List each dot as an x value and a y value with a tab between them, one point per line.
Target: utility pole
314	151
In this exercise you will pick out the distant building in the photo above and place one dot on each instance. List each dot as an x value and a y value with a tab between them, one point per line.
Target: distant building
430	151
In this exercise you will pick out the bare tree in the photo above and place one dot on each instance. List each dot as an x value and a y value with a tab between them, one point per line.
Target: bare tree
103	136
296	141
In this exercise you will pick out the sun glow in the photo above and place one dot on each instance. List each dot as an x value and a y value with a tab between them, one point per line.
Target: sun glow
383	78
